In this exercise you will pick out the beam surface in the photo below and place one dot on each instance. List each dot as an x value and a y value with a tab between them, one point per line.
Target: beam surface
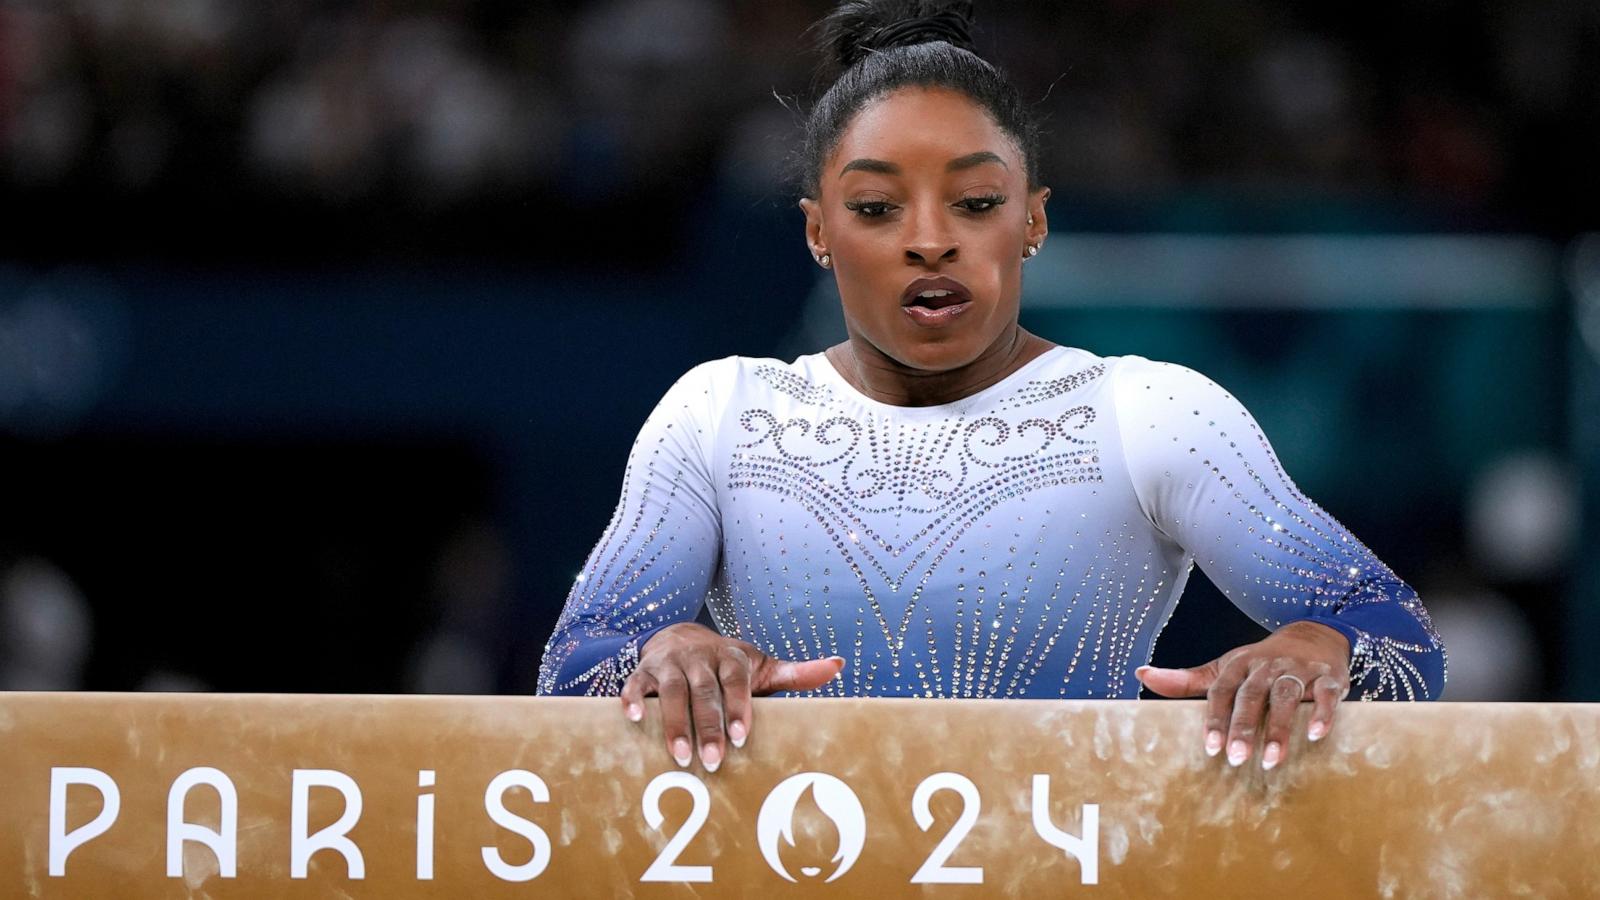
554	796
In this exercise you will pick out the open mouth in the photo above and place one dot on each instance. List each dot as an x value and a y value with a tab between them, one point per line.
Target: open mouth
935	300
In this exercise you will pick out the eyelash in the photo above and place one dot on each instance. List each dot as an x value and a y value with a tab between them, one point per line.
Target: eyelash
856	206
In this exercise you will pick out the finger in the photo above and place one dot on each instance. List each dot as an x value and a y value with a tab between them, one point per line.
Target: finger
1191	682
672	686
1326	692
705	709
1219	700
733	670
1249	702
1283	699
638	686
805	675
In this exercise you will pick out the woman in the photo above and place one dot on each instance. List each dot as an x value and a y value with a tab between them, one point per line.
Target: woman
944	504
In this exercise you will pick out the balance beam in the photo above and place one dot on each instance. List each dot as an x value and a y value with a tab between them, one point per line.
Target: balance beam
245	795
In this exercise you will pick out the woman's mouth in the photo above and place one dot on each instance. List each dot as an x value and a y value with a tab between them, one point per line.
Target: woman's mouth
935	301
936	310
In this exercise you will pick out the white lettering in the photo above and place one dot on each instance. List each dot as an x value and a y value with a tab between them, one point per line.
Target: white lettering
494	802
1086	850
61	843
933	870
222	842
301	847
425	827
665	867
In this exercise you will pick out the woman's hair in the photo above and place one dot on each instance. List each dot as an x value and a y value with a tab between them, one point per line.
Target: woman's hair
872	47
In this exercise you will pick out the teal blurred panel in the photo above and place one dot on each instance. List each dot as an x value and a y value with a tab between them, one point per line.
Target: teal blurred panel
1400	406
1583	603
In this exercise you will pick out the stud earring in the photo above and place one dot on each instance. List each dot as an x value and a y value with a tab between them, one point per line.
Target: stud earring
1030	218
1033	250
825	260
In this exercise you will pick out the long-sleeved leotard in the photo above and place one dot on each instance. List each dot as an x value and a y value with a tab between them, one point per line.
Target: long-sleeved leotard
1031	540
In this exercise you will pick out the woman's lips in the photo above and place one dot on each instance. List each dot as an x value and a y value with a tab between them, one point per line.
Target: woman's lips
948	299
935	318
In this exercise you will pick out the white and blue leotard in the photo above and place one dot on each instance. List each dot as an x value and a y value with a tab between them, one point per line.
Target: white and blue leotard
1030	540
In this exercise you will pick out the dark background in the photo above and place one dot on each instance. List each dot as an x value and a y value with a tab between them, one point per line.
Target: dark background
325	327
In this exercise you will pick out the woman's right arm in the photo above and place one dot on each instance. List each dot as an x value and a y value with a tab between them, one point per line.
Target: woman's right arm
645	582
656	558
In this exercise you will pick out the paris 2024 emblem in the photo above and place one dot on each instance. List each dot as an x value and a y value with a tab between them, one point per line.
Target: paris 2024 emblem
836	801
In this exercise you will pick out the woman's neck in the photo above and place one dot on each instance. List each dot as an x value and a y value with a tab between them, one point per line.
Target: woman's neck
875	374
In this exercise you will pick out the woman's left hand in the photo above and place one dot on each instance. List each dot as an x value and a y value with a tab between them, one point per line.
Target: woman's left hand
1269	678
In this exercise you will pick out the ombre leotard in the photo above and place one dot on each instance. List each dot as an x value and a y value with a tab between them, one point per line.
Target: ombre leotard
1030	540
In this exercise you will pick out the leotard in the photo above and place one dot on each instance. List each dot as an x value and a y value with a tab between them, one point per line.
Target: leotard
1030	540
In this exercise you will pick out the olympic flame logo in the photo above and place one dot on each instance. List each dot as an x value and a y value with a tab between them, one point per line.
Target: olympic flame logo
836	801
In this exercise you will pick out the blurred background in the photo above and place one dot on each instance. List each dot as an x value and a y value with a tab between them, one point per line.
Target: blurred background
325	328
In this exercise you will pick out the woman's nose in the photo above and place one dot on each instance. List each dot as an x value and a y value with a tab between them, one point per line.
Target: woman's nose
930	237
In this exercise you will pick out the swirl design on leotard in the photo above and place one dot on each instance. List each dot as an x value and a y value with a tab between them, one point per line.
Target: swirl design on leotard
948	473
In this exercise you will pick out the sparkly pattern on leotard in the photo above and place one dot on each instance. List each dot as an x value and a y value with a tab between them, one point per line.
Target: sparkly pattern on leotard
1028	541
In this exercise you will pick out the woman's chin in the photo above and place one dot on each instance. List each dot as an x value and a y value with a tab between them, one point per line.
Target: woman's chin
940	356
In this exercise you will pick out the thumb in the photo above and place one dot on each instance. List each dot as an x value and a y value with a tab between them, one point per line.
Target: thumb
1191	682
804	675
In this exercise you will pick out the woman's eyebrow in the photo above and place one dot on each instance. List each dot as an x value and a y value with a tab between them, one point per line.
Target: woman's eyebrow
866	164
974	159
884	167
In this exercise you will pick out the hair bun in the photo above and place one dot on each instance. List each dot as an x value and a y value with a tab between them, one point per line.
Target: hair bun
858	27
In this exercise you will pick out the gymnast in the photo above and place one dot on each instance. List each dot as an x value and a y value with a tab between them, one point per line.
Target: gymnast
945	505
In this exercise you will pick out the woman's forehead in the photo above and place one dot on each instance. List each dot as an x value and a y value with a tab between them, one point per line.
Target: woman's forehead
920	127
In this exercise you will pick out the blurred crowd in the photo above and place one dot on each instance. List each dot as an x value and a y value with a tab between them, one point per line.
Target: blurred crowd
1486	112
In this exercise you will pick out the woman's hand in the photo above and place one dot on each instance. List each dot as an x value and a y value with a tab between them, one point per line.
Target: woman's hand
706	678
1301	660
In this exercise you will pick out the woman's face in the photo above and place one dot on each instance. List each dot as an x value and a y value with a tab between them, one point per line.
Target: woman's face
924	183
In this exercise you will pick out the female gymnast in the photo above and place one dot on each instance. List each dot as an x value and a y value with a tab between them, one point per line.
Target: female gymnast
945	505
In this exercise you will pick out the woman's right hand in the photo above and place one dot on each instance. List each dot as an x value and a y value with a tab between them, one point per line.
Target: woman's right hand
705	678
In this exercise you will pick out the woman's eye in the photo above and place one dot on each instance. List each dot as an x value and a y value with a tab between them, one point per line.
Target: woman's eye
983	204
868	209
873	209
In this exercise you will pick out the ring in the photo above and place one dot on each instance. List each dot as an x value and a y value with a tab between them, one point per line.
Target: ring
1296	678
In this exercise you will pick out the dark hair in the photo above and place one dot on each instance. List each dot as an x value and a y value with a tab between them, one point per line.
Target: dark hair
872	47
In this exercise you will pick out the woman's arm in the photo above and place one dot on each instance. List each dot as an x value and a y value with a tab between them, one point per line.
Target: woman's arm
1207	477
650	571
655	560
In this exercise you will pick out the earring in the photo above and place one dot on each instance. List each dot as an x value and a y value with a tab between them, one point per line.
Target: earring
1030	218
1033	250
825	260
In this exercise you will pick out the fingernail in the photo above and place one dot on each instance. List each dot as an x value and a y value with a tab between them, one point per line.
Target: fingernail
1316	731
1237	752
710	757
1213	742
635	712
680	751
1269	756
736	732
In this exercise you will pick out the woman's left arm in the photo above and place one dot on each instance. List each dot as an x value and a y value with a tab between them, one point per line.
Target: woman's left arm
1340	619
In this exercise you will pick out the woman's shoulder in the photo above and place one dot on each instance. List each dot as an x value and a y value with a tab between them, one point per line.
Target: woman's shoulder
1162	394
1131	381
1134	372
805	377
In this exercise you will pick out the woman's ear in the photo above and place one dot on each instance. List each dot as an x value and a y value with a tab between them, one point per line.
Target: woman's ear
815	242
1040	224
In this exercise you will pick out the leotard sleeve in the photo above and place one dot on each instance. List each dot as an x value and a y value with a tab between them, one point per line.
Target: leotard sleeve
655	560
1206	476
